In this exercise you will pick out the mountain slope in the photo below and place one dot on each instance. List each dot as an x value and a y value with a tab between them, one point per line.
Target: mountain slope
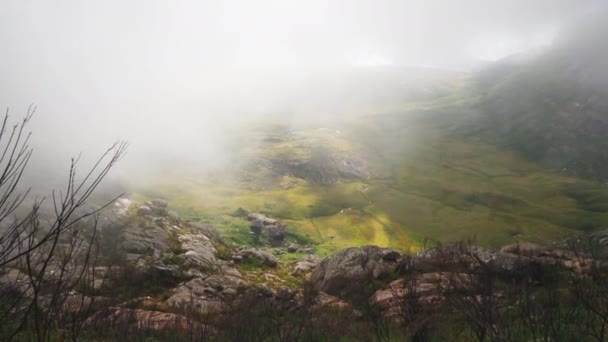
553	109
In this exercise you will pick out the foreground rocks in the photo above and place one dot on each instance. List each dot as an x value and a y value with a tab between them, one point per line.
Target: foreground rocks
344	273
255	255
306	265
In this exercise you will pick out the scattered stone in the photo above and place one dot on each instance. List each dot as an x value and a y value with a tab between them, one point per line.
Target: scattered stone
292	249
144	210
277	231
199	251
264	257
160	203
264	291
173	216
306	265
261	217
256	227
284	294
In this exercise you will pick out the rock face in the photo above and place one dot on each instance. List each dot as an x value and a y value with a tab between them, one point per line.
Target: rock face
208	293
345	273
147	239
200	252
452	258
143	319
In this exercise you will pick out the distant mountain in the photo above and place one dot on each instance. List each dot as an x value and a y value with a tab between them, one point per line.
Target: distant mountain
553	107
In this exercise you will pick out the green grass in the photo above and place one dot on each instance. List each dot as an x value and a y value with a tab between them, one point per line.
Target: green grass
428	181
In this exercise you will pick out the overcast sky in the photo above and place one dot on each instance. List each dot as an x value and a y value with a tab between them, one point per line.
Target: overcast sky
161	74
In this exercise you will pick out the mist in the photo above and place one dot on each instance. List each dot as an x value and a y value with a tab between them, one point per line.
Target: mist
174	78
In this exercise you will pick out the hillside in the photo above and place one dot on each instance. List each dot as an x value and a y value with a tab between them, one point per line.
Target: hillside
552	107
394	179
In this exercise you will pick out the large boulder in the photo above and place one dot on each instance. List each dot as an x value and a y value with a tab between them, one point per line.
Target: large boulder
200	252
264	220
207	294
349	271
255	255
277	232
145	239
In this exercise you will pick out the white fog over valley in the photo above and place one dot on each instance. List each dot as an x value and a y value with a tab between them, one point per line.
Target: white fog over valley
170	76
304	170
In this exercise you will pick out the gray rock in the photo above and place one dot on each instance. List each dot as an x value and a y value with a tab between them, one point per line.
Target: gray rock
208	230
256	227
277	231
199	251
144	210
173	216
261	256
292	249
160	203
264	291
144	239
345	273
260	217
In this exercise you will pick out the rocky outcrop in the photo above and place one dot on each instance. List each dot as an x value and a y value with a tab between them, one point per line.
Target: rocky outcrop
546	255
208	293
145	319
345	273
420	288
199	251
143	238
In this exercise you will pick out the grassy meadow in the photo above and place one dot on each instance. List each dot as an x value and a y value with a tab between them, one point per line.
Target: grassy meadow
428	181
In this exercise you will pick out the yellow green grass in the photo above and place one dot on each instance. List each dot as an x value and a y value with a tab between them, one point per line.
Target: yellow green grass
426	183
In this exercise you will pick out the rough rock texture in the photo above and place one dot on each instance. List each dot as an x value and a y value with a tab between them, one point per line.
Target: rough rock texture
306	265
534	253
207	294
266	221
207	230
256	227
324	300
252	254
345	273
462	257
199	250
144	319
277	232
145	239
261	224
424	288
